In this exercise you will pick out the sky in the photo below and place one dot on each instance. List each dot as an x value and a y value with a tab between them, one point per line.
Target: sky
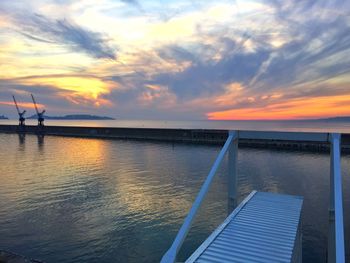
175	59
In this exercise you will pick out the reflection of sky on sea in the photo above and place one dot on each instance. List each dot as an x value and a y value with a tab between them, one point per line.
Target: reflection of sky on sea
74	199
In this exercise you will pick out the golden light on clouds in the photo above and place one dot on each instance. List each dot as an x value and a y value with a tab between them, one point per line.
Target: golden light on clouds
27	59
76	89
231	94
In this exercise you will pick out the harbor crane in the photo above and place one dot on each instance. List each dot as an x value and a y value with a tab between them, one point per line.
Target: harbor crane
39	114
21	119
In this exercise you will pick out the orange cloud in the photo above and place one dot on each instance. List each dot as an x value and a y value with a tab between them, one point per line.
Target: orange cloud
22	105
302	108
232	92
3	22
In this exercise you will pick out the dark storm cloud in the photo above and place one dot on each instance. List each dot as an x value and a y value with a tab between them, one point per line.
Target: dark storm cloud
64	32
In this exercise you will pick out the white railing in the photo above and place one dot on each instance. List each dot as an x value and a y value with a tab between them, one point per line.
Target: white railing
170	255
336	251
336	233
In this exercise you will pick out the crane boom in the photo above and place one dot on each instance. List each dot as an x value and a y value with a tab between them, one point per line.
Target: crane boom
16	104
36	108
39	114
21	118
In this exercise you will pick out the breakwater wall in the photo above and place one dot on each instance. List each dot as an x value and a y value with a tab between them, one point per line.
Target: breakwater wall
199	136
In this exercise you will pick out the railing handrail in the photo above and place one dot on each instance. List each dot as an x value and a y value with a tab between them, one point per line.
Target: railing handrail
170	255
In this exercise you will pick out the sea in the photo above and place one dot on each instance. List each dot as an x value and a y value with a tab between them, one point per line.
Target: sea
263	125
68	199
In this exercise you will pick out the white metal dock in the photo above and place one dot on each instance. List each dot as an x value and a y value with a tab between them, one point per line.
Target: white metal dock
245	231
265	227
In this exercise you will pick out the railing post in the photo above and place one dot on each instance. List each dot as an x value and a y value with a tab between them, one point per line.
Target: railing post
232	174
331	225
336	252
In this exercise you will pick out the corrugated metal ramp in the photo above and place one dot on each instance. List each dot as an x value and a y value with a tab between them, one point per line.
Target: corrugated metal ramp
265	227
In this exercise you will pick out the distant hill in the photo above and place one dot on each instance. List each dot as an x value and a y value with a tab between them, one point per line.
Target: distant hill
2	117
73	117
344	118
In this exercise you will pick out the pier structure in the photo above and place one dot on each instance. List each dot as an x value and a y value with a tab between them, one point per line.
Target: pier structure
196	136
265	227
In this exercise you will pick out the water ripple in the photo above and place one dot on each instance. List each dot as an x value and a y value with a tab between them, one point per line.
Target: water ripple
90	200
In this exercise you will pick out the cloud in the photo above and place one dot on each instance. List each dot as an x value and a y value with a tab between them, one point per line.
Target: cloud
46	96
21	104
64	32
176	53
54	100
133	3
158	96
206	78
308	56
76	90
210	58
285	63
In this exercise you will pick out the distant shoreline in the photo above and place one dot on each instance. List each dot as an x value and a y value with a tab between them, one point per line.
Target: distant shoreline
345	118
74	117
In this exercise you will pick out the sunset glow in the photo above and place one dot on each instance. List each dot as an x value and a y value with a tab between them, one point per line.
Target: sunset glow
240	60
307	108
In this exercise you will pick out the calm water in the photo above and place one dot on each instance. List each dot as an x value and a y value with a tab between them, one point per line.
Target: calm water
94	200
312	126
